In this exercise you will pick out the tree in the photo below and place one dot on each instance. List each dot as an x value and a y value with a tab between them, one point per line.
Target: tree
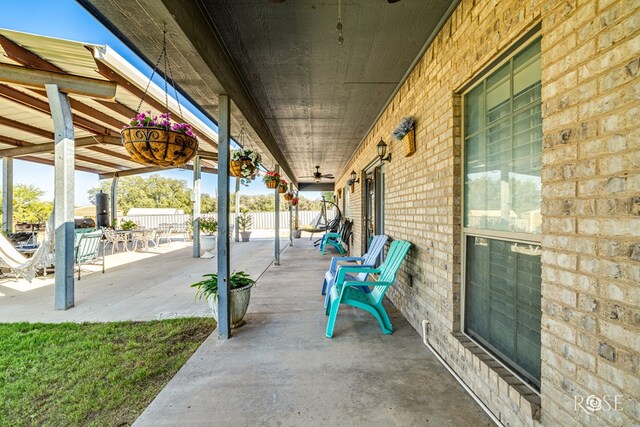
27	206
155	191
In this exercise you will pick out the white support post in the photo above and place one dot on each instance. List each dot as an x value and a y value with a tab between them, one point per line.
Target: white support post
224	132
290	224
63	196
236	231
277	222
197	205
114	202
7	194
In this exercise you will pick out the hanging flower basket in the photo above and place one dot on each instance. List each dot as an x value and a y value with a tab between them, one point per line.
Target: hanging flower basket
405	131
271	179
244	164
154	142
288	196
410	143
294	202
283	186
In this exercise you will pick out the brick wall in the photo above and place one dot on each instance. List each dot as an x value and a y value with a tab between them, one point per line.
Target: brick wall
591	202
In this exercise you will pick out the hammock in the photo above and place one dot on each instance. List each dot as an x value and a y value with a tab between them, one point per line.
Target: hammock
25	267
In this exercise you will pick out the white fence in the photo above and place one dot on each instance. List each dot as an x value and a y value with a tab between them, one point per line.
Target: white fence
261	220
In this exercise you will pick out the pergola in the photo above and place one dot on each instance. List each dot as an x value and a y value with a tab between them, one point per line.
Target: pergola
90	92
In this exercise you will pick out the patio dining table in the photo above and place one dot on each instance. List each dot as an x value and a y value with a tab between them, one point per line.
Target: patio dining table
130	236
138	235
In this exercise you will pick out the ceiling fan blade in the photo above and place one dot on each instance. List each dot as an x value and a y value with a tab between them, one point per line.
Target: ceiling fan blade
329	175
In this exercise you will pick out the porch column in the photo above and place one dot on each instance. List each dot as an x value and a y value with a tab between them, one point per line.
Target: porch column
114	202
63	196
277	224
224	124
297	218
290	223
236	232
7	194
197	203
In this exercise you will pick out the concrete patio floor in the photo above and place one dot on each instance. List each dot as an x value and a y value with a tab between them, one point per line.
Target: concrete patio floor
137	285
280	370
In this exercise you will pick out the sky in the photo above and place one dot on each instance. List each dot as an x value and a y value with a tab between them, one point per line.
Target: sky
66	19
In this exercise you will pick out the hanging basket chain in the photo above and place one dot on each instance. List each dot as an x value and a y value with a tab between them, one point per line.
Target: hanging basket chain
175	90
153	73
159	144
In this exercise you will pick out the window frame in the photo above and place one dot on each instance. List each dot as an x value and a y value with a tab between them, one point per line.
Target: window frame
465	232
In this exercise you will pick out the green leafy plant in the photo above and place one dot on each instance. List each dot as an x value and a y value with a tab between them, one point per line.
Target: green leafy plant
128	225
208	226
209	286
245	221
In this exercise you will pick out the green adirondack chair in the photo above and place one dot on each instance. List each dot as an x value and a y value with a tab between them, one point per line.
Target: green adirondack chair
351	292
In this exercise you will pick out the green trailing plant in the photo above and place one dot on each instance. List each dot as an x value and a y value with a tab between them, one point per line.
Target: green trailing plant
245	221
128	225
208	226
209	286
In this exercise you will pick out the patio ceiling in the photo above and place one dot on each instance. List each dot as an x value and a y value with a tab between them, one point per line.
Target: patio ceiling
308	100
29	61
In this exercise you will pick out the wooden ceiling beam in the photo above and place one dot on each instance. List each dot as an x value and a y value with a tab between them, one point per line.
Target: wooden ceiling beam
51	162
149	169
50	146
67	83
27	100
25	57
26	128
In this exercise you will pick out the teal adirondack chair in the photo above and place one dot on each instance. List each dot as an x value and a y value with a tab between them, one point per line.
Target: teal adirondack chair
350	292
336	239
88	249
366	260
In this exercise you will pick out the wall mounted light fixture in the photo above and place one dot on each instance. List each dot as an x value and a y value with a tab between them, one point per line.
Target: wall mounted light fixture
382	151
353	179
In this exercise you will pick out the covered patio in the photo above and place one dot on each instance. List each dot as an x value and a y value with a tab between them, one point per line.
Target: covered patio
279	369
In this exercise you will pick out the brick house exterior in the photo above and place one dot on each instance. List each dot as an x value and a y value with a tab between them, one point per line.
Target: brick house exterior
590	207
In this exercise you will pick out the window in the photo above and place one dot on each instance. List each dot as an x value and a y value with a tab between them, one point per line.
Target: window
345	208
502	221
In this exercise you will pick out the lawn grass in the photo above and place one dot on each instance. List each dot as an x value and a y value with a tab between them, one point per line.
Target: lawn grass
90	373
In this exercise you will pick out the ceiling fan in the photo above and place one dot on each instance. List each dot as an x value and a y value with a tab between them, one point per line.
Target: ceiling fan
317	175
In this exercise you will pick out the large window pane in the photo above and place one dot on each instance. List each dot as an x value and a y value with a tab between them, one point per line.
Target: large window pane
503	147
503	301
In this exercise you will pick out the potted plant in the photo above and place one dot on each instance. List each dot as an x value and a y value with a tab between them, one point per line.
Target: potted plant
128	225
244	164
297	233
288	196
406	128
240	284
153	140
245	221
283	186
208	226
271	179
